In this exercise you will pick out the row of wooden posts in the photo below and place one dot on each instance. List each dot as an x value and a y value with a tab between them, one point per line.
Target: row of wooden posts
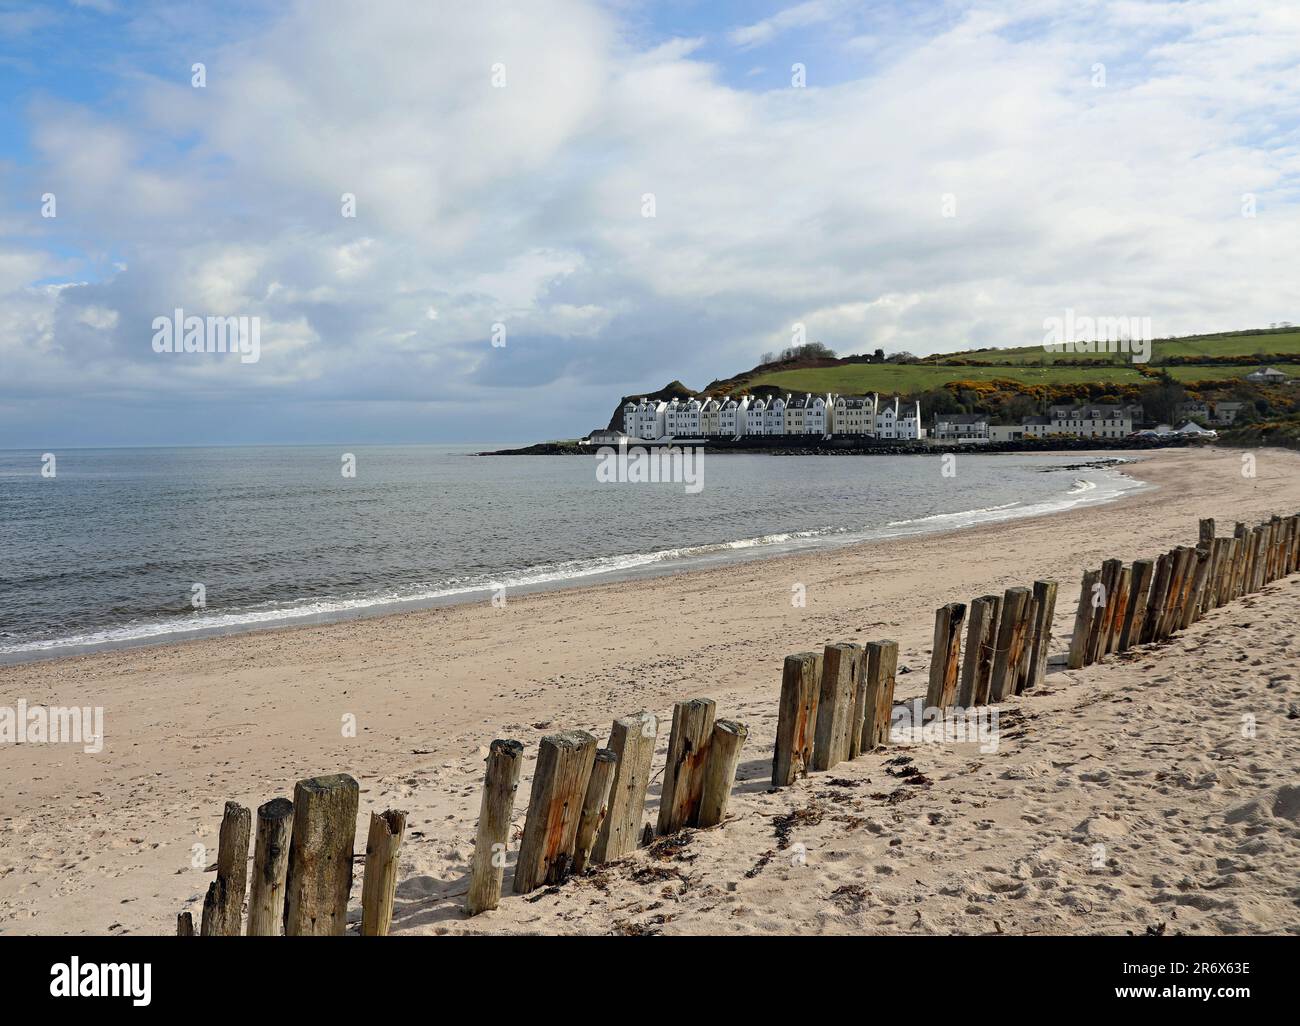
836	705
302	866
1121	606
586	804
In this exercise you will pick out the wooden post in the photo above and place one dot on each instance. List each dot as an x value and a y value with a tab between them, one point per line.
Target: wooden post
1275	547
945	656
320	856
1224	581
688	749
1011	642
797	719
860	698
1021	673
595	807
1242	534
1122	599
1210	596
632	740
980	645
1207	532
495	812
1041	637
223	907
1156	600
1078	657
1254	547
379	884
184	925
720	770
882	669
1139	592
1200	580
840	664
564	763
1178	584
270	868
1099	632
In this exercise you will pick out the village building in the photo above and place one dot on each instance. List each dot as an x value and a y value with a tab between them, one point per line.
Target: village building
732	416
961	427
853	415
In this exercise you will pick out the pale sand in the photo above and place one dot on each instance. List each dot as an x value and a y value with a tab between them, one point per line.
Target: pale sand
1145	755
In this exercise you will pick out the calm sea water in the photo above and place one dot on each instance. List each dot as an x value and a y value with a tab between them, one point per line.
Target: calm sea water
107	552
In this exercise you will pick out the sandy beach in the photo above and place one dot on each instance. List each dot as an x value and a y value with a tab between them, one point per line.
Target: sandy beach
1144	756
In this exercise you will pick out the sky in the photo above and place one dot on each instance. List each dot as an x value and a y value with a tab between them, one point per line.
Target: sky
556	203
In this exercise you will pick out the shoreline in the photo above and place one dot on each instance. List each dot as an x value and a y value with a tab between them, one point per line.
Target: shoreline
686	559
102	843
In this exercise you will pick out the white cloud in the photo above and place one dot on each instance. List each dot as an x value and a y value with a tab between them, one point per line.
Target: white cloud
523	204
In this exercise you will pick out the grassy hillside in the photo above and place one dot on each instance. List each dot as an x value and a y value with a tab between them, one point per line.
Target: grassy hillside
1191	360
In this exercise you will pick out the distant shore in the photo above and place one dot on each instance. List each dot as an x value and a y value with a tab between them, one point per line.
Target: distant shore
772	445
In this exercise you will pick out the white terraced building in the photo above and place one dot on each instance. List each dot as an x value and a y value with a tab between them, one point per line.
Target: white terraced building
806	414
899	420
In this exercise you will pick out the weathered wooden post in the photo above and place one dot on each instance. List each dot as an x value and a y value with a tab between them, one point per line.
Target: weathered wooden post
688	749
720	770
1207	532
184	925
797	719
595	807
1242	534
1099	631
223	906
495	812
632	739
560	778
945	656
1021	673
320	856
1011	642
1200	578
1177	587
1044	612
1078	657
270	868
1139	593
1156	600
379	884
840	665
980	645
859	716
1122	598
1274	547
882	671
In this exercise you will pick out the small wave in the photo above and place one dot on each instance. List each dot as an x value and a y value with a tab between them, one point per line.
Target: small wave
960	514
1081	485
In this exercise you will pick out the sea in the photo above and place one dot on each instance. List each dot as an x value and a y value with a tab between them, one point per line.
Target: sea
116	547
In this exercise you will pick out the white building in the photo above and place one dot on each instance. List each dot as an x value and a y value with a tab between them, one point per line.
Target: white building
774	416
806	415
733	416
688	418
755	417
650	419
962	427
899	420
1266	376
